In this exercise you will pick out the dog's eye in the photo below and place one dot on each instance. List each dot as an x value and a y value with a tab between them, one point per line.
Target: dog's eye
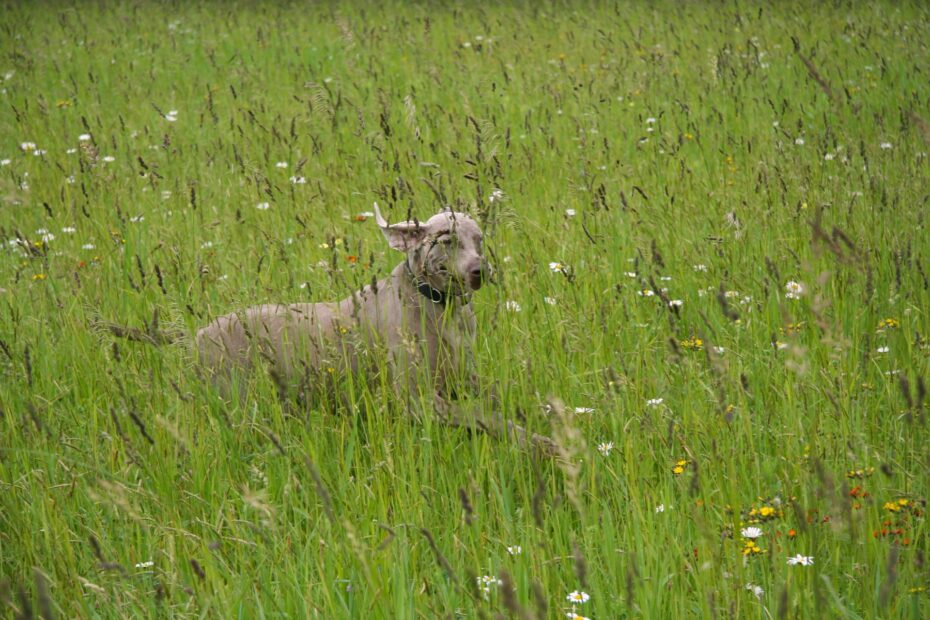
445	239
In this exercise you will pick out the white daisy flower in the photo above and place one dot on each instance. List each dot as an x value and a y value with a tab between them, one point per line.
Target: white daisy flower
570	212
550	300
757	591
88	246
515	550
882	349
660	508
5	162
799	141
148	564
646	292
885	146
281	164
751	532
27	146
556	267
135	219
802	560
496	195
630	274
512	306
676	303
263	206
582	410
109	158
794	290
655	402
577	597
605	447
84	137
700	267
298	180
69	230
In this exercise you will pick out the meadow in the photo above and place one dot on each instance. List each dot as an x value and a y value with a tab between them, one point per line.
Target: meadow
708	229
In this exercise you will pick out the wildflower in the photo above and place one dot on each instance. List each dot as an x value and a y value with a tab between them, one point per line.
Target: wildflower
556	267
751	548
515	550
584	410
485	582
675	303
69	230
882	350
39	276
88	246
27	146
573	616
137	218
577	597
84	137
298	180
660	508
281	164
679	467
605	447
799	141
860	473
757	591
5	162
654	402
148	564
781	345
792	533
719	350
109	159
896	506
570	212
692	343
263	206
364	215
803	560
496	195
888	324
794	290
885	146
550	300
750	532
171	116
45	235
646	293
206	245
513	306
700	267
829	157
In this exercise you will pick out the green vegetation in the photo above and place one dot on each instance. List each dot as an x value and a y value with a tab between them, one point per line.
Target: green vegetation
765	167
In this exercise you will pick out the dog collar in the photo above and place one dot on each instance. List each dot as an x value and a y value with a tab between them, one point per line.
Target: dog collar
436	296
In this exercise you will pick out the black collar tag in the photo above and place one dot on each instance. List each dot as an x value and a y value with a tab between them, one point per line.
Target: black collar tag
435	296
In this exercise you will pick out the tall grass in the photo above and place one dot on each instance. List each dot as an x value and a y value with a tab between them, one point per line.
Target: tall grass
702	154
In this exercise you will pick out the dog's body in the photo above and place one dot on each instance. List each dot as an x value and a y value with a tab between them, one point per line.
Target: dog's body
420	317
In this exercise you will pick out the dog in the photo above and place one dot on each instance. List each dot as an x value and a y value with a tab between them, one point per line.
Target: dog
420	317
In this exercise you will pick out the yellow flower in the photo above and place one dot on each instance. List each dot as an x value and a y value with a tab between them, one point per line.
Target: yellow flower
766	512
39	276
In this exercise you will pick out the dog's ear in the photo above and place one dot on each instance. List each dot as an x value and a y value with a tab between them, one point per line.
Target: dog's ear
403	236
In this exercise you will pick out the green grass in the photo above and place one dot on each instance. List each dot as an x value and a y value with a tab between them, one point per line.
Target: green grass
114	454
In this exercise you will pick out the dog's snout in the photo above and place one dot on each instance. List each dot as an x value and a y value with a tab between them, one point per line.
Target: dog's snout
476	277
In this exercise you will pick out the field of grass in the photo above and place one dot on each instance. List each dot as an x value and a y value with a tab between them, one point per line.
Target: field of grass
712	262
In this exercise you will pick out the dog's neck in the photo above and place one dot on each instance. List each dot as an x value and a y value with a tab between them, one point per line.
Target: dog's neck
440	299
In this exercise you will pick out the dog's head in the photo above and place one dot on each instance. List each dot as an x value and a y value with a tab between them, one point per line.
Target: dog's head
445	251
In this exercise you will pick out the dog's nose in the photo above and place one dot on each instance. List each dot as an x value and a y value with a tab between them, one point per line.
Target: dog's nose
475	277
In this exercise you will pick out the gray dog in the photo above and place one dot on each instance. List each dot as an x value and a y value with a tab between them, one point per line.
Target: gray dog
420	316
